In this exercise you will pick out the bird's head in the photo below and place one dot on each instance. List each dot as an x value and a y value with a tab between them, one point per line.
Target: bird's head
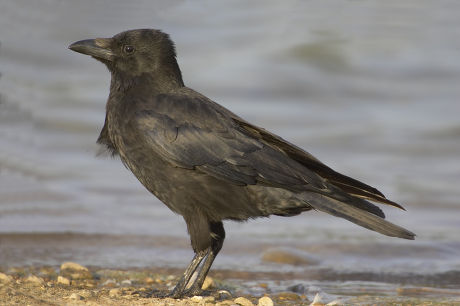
133	52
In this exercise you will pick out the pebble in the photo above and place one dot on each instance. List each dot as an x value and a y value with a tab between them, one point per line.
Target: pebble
4	278
290	296
299	288
196	299
149	280
76	297
90	283
202	299
208	283
209	299
114	292
127	282
73	266
265	301
35	280
63	280
75	271
223	294
109	283
287	257
243	301
225	303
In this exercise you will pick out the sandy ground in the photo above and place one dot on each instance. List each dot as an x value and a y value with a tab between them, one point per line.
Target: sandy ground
73	284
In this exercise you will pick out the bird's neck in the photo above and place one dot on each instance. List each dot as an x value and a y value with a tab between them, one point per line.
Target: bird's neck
166	78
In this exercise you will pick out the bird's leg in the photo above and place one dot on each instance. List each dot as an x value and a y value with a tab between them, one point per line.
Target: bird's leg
178	290
183	281
217	240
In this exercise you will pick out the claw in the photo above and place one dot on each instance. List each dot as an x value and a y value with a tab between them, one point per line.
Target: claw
150	293
161	294
194	290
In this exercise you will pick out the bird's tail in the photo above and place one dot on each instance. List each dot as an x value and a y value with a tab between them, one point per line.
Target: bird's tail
355	215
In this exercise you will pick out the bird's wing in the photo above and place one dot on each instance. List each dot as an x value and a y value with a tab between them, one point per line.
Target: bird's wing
347	184
195	133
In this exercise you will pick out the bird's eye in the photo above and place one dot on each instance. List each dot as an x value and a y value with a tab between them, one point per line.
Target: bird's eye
128	49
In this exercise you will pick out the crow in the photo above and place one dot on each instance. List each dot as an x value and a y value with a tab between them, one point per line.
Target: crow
205	162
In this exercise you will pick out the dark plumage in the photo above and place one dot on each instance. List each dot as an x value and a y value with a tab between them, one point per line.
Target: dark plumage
206	163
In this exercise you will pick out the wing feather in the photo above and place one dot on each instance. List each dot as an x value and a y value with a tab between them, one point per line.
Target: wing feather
346	183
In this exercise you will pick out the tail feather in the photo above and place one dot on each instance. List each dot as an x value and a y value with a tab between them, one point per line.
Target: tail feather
355	215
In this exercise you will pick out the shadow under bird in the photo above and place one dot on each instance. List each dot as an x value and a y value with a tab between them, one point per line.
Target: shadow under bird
206	163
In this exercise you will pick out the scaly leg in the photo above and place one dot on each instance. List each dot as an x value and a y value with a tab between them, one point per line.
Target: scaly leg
218	236
179	289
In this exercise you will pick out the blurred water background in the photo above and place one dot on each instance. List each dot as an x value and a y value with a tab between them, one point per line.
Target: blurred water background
369	87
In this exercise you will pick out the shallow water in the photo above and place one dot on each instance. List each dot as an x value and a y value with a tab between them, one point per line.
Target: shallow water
371	88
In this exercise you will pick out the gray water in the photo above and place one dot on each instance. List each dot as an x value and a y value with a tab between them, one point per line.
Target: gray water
369	87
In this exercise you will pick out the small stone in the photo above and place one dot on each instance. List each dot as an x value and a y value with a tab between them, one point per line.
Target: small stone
287	257
243	301
109	283
196	299
76	297
75	271
223	295
115	292
63	280
225	303
127	282
290	296
35	280
149	280
5	278
208	283
73	266
265	301
263	285
299	288
209	299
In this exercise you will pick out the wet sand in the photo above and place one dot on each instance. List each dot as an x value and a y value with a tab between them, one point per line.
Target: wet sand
32	274
73	284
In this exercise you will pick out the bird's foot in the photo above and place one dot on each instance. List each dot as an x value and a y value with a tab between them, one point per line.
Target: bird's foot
175	294
153	293
192	291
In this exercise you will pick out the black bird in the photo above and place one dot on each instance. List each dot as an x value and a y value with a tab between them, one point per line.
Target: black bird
206	163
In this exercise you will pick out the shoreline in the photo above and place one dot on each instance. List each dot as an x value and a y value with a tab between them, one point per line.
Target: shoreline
75	284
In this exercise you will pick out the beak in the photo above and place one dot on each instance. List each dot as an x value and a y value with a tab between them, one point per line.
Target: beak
98	48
